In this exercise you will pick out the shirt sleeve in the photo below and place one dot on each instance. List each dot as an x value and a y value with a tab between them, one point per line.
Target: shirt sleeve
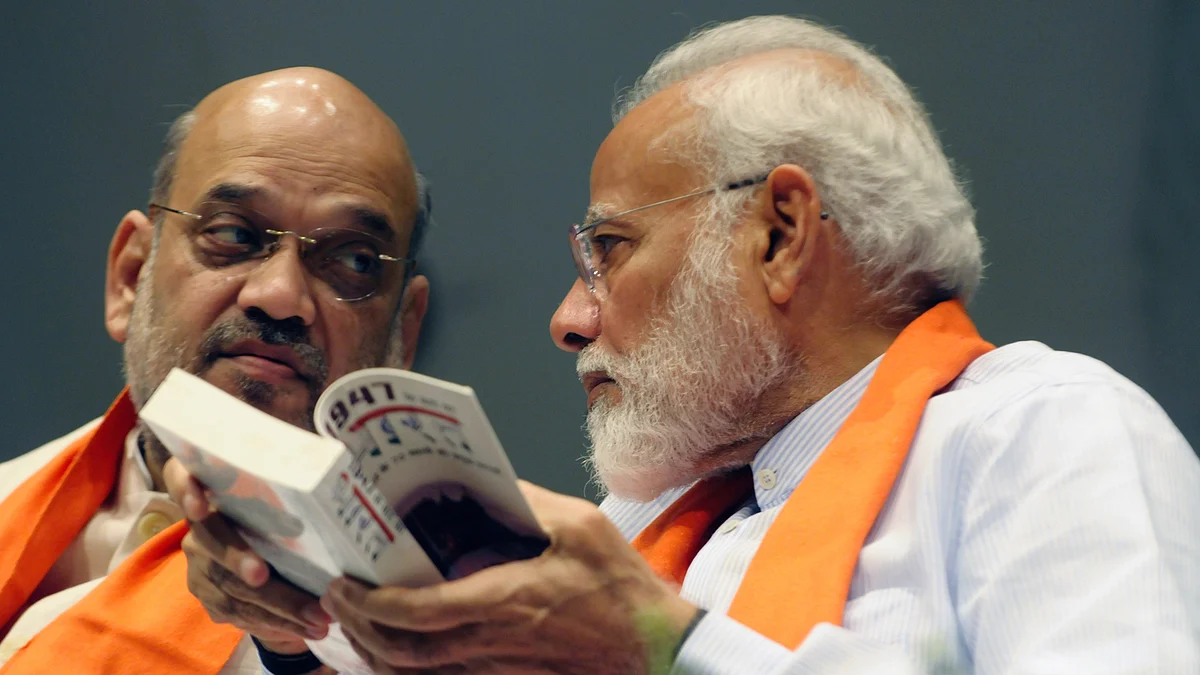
1078	513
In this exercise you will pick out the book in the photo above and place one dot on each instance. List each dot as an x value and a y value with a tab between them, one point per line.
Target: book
405	482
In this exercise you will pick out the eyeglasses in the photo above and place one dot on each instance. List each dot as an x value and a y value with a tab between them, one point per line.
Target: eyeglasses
352	263
591	251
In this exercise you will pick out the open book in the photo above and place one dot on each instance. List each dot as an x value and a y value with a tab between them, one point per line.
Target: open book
405	482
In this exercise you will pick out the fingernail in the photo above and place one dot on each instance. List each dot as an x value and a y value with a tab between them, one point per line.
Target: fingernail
316	632
327	605
249	569
191	507
315	615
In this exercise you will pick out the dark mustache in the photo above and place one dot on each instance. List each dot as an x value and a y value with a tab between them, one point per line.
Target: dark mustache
256	324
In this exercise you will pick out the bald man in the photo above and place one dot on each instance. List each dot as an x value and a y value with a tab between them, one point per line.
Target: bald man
237	272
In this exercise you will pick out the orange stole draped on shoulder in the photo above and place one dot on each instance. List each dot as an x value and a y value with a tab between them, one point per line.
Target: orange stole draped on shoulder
141	618
801	573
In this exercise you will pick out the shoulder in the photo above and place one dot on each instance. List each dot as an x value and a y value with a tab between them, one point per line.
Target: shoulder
1017	386
1070	504
1024	365
1027	417
15	471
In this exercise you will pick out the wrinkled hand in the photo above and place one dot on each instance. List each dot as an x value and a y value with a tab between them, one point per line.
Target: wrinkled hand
576	608
234	584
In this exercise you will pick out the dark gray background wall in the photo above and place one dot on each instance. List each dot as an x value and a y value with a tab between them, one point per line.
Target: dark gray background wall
1075	121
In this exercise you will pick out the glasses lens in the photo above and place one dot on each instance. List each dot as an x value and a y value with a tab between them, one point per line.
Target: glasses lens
350	262
583	250
224	234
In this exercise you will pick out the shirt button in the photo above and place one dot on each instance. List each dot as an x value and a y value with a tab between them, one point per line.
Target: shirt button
152	523
766	479
727	527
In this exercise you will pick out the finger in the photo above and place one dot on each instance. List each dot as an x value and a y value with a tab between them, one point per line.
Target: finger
379	661
542	499
216	537
268	626
551	508
185	490
477	666
535	493
259	621
215	585
472	599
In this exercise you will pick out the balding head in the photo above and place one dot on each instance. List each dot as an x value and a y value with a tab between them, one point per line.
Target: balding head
287	209
301	106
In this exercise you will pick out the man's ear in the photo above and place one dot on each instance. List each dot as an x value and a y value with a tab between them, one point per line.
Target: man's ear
792	231
414	304
127	256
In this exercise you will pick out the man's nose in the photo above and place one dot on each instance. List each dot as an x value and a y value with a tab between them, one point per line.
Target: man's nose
280	286
576	322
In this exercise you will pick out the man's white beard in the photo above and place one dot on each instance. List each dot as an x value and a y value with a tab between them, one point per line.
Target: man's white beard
692	388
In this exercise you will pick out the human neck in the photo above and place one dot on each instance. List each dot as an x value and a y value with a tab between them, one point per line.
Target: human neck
823	362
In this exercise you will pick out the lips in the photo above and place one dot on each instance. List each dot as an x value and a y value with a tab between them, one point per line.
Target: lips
592	384
274	359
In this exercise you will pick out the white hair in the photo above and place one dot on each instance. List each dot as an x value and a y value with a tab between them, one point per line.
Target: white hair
866	141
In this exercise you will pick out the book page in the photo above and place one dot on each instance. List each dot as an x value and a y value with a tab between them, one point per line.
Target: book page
303	504
429	449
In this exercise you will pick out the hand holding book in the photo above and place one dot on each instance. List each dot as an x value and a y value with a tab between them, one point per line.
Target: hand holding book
406	485
233	583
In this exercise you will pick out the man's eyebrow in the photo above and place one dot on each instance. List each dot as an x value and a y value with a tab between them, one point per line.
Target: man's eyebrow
599	211
232	192
375	221
366	217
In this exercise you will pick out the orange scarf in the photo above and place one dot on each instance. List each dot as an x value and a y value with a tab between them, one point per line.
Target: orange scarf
800	575
141	618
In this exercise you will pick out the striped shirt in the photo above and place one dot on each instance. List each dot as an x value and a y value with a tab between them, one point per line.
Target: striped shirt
1047	520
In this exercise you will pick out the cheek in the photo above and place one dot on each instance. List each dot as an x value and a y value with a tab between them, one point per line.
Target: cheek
634	299
751	286
191	301
355	338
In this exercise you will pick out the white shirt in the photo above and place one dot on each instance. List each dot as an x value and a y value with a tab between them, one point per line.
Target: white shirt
132	514
1047	520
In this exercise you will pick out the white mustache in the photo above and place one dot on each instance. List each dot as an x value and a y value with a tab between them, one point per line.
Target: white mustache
593	360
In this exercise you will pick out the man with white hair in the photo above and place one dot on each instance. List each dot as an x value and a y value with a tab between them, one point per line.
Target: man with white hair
820	465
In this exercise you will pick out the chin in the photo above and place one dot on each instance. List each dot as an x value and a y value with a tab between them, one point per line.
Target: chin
639	484
289	401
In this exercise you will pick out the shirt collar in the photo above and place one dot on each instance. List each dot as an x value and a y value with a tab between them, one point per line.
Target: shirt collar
785	459
133	453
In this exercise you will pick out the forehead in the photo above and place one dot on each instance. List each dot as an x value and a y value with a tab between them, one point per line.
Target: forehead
641	161
305	154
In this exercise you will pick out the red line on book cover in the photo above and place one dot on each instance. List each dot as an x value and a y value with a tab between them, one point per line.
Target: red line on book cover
358	423
367	505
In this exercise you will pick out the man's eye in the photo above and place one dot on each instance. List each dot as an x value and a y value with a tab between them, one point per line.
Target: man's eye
603	244
238	236
358	262
353	258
